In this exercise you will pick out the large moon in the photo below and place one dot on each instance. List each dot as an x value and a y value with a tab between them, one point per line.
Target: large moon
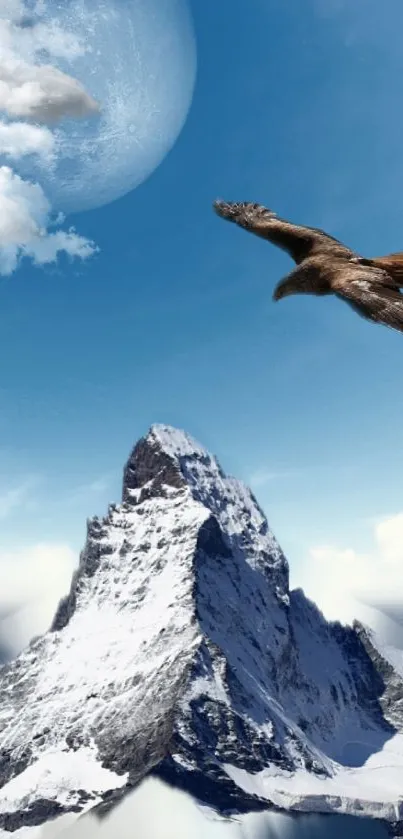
139	64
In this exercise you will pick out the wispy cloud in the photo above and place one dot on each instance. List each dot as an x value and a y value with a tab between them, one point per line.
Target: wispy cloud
90	491
14	498
30	90
265	476
328	8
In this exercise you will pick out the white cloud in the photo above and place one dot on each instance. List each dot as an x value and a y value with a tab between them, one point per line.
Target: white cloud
20	138
24	221
153	811
156	811
32	581
343	581
34	578
34	89
43	93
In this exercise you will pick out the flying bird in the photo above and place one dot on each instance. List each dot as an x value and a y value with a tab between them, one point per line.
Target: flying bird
326	266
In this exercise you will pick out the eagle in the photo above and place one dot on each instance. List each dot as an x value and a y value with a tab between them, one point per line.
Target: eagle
372	287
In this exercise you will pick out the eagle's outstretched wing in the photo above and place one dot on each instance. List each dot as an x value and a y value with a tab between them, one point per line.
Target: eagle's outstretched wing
376	300
300	242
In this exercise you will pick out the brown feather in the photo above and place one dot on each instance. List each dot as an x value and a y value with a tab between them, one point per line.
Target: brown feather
393	264
327	266
299	241
371	299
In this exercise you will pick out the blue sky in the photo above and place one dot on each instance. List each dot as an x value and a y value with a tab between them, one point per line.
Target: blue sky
296	105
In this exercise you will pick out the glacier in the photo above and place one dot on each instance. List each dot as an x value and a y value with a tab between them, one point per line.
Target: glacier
180	652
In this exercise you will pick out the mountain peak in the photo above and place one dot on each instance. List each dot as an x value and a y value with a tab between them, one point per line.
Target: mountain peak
180	651
176	442
167	459
161	458
152	466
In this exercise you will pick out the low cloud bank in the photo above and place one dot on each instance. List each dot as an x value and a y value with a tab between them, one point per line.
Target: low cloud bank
348	584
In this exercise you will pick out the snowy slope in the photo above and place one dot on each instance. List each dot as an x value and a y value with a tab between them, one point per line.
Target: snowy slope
180	651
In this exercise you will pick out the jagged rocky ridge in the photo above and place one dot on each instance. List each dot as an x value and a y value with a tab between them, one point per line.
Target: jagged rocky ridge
180	651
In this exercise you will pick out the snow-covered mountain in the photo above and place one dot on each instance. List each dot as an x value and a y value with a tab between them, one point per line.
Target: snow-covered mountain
180	651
